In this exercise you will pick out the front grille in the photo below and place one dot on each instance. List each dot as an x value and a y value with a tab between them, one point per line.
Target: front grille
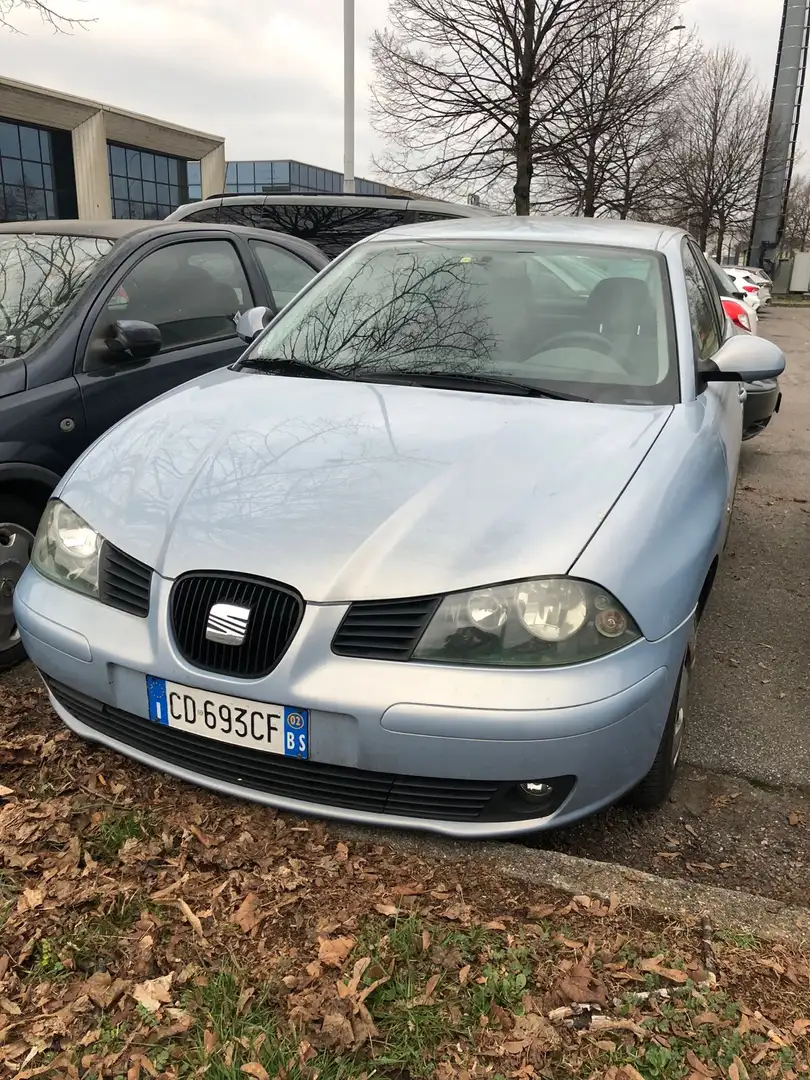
384	629
123	582
309	781
275	615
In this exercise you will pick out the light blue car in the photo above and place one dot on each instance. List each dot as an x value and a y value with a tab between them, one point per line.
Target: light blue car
433	553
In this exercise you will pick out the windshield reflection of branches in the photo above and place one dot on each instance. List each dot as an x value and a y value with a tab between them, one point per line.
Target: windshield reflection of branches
40	275
407	313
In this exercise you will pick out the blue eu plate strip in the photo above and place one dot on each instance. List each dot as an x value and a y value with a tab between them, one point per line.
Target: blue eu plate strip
158	708
296	733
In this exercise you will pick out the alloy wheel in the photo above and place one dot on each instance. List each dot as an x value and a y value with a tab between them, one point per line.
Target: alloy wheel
16	543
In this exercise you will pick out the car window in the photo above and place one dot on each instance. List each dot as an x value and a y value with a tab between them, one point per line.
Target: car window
702	312
492	309
286	274
190	291
40	276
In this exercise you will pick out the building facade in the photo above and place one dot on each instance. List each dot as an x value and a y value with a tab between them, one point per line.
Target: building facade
281	178
65	157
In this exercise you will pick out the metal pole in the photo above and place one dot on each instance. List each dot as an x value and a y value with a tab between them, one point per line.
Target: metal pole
348	97
782	134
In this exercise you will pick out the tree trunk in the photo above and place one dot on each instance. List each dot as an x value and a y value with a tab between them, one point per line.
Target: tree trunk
523	140
721	236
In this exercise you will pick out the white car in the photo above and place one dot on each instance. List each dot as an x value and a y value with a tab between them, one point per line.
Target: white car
757	293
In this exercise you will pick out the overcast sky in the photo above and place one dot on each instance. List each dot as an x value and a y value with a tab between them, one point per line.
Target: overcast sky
268	75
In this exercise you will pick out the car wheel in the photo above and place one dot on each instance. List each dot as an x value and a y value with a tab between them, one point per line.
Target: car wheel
654	789
18	525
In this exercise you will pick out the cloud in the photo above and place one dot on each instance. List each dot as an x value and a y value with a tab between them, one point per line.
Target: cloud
269	77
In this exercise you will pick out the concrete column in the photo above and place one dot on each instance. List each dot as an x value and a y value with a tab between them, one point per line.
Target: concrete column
92	172
212	171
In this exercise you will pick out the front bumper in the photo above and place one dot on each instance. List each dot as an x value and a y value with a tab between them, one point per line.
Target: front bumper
763	399
425	740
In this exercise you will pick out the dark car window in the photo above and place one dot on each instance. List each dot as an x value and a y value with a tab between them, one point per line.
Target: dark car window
40	275
331	228
431	215
190	291
286	274
702	311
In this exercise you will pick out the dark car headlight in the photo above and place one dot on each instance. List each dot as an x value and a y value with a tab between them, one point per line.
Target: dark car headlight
545	622
67	550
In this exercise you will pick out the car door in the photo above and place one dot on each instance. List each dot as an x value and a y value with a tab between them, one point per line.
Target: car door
723	401
190	289
285	272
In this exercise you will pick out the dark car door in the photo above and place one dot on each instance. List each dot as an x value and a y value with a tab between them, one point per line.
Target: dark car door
191	289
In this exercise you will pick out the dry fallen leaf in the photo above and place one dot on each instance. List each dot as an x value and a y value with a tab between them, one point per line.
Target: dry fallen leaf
464	974
247	917
794	818
387	909
698	1066
253	1068
154	992
801	1027
191	918
653	965
333	951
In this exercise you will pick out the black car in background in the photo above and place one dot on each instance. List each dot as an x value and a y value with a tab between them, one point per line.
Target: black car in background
332	222
97	319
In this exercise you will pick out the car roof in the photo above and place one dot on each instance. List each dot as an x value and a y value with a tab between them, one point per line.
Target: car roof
114	229
602	231
400	202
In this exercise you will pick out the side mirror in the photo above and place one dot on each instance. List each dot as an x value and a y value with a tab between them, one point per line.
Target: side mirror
250	323
744	359
139	339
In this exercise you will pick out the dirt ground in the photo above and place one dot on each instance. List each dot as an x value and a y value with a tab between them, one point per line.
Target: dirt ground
151	930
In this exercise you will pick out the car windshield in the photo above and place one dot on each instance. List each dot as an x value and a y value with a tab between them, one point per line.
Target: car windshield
40	275
587	321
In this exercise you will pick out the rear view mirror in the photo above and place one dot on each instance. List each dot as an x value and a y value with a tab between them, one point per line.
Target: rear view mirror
744	359
140	339
251	322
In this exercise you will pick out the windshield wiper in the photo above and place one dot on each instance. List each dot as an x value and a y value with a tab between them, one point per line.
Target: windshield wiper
451	379
284	365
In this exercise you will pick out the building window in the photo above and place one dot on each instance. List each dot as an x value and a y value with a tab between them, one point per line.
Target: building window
145	185
27	185
194	171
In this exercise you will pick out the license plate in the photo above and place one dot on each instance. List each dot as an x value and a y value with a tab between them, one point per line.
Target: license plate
273	729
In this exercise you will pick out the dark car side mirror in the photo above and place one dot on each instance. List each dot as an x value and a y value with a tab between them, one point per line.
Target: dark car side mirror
139	340
250	323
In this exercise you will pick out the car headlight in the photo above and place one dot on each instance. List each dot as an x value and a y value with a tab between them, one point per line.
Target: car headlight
545	622
67	550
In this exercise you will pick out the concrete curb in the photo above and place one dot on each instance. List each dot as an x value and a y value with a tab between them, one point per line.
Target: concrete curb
726	909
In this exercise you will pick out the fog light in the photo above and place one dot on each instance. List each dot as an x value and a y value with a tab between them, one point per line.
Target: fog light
536	789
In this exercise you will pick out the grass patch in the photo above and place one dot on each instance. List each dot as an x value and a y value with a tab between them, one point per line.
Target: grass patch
94	937
113	831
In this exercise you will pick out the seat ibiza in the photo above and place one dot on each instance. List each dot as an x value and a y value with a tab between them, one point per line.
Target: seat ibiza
433	552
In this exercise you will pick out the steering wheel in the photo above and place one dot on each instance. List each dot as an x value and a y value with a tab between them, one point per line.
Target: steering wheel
573	338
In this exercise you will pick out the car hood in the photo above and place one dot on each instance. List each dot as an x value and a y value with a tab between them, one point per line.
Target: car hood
353	491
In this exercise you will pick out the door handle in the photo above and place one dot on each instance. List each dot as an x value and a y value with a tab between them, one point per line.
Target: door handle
743	393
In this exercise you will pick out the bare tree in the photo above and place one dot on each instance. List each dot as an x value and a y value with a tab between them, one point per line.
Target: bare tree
616	85
49	13
797	219
461	89
713	164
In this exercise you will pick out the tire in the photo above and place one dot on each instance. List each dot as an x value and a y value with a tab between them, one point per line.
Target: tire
656	786
18	525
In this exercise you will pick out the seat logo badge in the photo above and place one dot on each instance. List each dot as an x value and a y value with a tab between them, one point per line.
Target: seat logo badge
227	624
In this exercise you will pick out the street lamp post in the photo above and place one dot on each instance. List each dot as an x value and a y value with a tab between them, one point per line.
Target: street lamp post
348	97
